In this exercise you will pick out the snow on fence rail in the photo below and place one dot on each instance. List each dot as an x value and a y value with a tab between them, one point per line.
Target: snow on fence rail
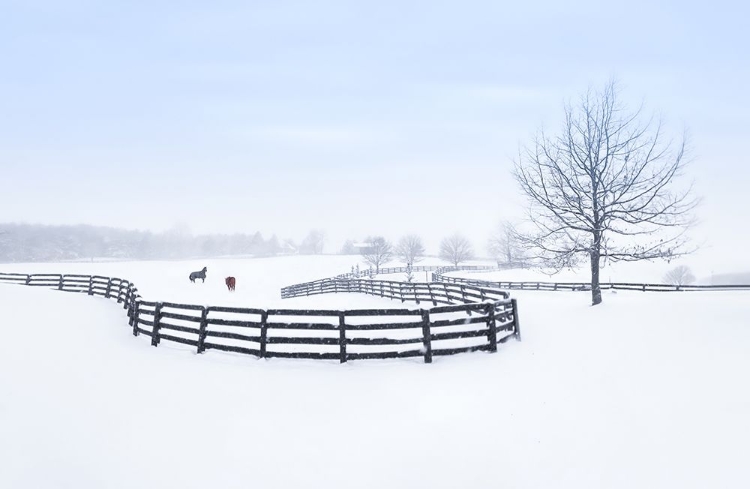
443	293
481	320
438	276
427	268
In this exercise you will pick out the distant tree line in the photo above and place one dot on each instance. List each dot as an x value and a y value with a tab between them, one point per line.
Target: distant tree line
378	251
31	242
42	243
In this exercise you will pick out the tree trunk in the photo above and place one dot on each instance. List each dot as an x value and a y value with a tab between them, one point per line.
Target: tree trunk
596	290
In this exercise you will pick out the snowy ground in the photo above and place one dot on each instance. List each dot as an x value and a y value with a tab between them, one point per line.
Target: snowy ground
646	390
259	281
636	272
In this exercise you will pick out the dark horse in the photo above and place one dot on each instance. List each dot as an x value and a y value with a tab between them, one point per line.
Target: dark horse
230	281
201	275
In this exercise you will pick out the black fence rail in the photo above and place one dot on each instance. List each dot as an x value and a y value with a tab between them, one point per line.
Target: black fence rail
465	307
437	293
439	276
427	268
368	273
483	319
123	291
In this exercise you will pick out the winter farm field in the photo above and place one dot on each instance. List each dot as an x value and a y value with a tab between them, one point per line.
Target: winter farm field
647	390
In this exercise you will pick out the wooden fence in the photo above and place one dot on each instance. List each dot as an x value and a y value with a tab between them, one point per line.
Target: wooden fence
439	276
123	291
482	319
437	293
426	268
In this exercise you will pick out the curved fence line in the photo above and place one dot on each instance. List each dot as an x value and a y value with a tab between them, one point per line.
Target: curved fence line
438	276
480	321
437	293
425	268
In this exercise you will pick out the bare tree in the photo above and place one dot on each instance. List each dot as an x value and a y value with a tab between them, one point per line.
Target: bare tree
410	248
605	188
503	245
680	275
347	248
313	242
456	249
378	252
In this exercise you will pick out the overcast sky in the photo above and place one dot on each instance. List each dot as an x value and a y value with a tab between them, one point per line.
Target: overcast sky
354	117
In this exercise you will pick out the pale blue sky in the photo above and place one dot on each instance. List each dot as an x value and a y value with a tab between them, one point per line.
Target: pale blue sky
283	116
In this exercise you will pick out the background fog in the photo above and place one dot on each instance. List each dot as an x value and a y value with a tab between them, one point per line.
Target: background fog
376	118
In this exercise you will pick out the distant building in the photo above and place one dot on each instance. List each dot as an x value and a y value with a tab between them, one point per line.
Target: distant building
362	248
288	248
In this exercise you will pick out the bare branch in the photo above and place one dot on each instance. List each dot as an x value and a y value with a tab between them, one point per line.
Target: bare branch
410	248
606	188
456	249
379	251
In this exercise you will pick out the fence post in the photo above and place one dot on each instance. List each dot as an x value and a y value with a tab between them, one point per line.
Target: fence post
263	333
416	294
28	279
447	295
463	293
108	293
133	289
517	331
126	302
134	318
91	285
202	330
157	320
426	337
60	284
492	336
342	337
481	293
401	290
432	298
119	290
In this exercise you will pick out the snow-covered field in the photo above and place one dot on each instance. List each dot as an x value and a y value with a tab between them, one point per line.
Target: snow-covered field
646	390
259	281
706	273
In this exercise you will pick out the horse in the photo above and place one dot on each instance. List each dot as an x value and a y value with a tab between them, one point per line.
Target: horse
230	281
201	275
